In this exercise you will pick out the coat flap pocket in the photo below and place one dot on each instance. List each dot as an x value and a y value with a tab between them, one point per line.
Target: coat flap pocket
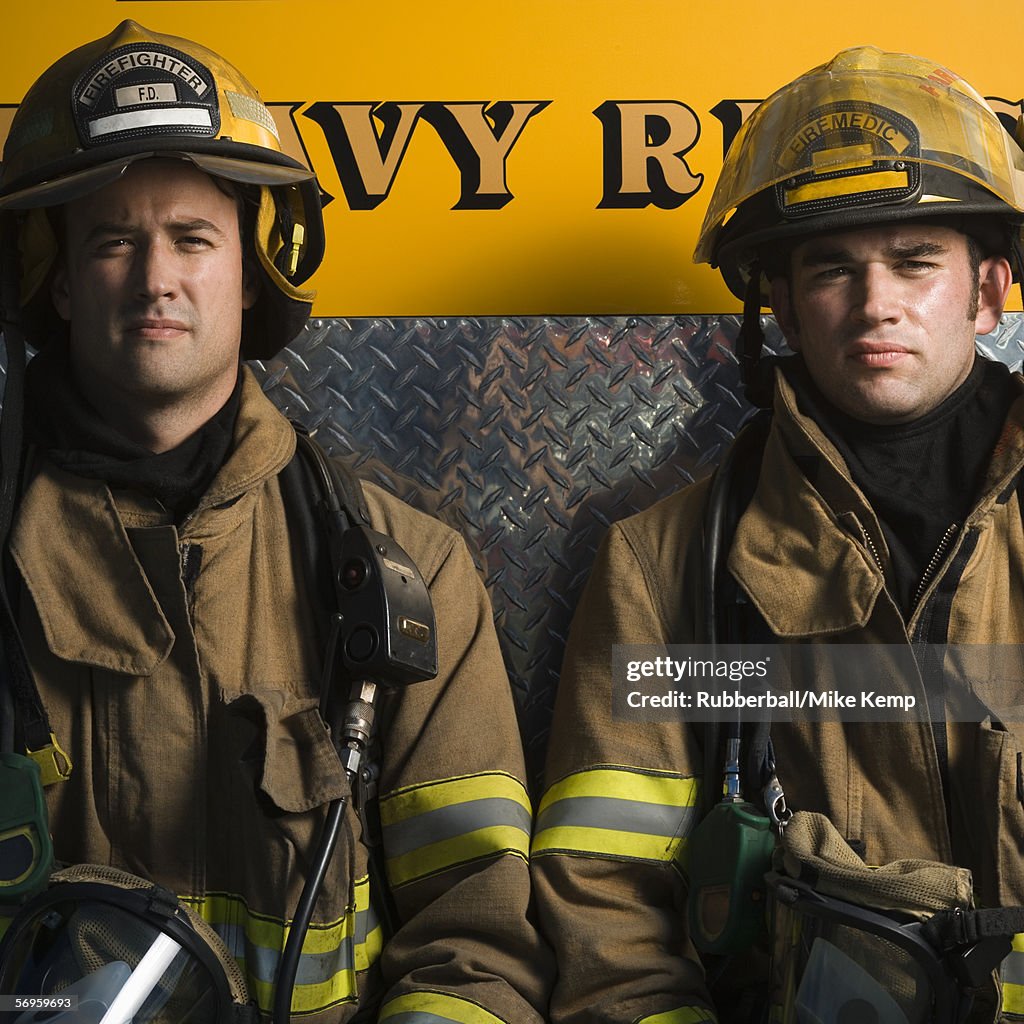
301	769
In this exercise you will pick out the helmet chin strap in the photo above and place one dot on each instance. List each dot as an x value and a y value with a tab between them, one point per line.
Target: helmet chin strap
757	382
1017	262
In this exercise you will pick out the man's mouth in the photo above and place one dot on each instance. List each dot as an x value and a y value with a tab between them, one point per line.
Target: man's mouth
877	353
156	327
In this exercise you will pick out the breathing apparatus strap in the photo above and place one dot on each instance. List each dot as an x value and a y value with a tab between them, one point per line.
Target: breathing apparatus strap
311	481
757	377
24	724
974	943
954	929
729	621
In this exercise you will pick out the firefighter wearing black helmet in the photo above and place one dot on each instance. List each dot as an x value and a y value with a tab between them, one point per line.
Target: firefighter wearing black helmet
875	203
170	603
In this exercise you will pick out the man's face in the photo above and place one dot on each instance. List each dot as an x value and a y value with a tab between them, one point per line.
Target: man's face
151	282
885	316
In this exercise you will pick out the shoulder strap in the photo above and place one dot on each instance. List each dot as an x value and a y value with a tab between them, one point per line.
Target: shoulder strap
312	486
323	499
726	617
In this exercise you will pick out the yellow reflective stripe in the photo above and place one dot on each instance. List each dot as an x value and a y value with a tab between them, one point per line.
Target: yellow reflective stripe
640	785
684	1015
605	842
436	857
435	1008
617	811
871	181
405	803
332	952
1012	976
1013	998
368	952
434	826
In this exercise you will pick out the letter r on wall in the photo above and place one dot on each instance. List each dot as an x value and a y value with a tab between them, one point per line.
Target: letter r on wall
645	143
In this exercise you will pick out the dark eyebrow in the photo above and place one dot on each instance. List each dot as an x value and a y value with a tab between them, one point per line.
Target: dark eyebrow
914	251
109	228
813	257
817	257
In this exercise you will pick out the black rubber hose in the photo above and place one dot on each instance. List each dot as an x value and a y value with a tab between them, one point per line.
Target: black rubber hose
289	965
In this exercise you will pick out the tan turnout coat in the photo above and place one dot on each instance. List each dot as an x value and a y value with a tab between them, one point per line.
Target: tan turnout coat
622	795
180	671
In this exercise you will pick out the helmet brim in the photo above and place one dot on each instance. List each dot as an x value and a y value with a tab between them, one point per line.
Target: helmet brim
80	183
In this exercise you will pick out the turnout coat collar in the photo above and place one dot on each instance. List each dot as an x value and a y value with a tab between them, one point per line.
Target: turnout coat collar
809	552
96	604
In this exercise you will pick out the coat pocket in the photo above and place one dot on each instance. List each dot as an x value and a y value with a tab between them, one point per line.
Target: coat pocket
277	773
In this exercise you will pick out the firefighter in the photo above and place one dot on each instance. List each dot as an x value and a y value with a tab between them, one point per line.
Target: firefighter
157	236
876	202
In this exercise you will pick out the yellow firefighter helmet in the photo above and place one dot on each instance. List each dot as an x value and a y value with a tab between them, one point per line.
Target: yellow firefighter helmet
868	138
137	94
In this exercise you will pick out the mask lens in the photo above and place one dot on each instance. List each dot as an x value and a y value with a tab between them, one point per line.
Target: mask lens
832	972
117	966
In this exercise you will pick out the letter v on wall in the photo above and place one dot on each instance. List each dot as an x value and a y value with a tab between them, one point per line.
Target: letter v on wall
365	158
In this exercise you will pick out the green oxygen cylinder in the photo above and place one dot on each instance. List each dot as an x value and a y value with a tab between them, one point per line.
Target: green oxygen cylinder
26	850
728	855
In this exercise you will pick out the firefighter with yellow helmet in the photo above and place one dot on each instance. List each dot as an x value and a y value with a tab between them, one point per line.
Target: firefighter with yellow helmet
853	870
203	615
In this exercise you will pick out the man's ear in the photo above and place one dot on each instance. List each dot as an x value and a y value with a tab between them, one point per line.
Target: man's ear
994	280
250	284
60	291
782	307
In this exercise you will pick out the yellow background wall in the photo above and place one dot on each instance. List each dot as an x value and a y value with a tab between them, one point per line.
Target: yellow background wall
549	249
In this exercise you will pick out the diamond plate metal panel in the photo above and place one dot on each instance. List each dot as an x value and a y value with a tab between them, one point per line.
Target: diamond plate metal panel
530	435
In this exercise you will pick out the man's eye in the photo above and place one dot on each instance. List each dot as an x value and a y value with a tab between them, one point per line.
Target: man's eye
832	273
193	242
114	245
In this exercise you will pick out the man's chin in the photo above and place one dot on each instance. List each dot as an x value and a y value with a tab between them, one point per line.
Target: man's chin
879	402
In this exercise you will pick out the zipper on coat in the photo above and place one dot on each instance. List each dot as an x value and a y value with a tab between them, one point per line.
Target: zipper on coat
932	630
874	551
934	562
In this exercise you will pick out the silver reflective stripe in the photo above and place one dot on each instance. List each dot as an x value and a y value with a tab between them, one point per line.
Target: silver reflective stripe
452	821
176	117
620	815
366	921
1013	969
261	963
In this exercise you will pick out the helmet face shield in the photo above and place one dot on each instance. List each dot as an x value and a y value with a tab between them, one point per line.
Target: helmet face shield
868	138
117	954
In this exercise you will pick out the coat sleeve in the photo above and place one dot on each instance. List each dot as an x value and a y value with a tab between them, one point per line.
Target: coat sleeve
621	798
456	824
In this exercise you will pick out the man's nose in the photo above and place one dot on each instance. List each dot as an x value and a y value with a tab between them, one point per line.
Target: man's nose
154	270
878	295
